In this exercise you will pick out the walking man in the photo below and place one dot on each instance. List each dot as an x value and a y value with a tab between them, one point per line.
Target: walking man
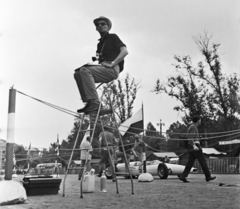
195	151
120	154
110	55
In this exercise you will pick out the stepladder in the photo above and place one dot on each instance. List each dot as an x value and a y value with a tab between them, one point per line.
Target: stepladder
103	118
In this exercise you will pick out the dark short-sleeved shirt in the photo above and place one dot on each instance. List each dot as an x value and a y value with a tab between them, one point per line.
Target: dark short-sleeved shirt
109	47
107	137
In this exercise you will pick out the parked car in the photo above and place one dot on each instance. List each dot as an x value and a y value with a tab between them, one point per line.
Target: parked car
155	167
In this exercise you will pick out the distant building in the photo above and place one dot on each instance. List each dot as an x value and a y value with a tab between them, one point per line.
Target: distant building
207	152
2	153
160	155
34	152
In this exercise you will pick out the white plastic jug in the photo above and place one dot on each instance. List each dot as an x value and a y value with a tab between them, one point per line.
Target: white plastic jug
89	181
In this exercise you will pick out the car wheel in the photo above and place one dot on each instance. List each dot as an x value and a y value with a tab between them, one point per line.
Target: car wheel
109	172
162	171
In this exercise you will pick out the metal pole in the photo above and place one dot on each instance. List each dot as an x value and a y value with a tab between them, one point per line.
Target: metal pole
160	128
1	162
144	148
10	134
144	159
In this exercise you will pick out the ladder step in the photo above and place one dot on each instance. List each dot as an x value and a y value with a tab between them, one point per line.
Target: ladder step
102	112
105	112
86	130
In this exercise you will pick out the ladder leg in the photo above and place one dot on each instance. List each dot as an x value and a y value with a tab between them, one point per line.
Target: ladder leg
111	161
120	138
64	180
82	177
95	116
92	135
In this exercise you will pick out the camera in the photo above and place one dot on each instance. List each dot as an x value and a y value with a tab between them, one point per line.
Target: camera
98	58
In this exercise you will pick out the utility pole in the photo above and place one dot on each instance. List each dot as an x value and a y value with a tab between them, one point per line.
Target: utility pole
161	124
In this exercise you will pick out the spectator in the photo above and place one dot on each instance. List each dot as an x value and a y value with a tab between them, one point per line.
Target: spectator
86	156
138	149
166	159
195	151
120	154
106	140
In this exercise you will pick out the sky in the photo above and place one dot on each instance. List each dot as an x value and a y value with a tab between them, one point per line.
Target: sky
43	41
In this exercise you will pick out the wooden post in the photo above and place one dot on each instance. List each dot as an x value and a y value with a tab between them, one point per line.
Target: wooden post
10	134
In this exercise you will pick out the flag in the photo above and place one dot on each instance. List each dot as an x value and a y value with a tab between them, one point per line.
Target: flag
235	141
57	146
133	125
87	133
29	148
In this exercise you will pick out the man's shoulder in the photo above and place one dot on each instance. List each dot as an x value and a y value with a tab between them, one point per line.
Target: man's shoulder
83	144
112	34
192	128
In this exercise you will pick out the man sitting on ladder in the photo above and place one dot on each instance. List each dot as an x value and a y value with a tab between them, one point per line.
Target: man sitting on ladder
110	55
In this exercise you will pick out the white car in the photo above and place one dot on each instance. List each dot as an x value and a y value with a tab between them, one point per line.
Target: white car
155	167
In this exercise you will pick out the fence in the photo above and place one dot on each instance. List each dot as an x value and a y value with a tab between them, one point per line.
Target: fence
62	170
219	166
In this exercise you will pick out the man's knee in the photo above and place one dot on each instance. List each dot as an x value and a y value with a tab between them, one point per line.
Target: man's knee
84	71
77	74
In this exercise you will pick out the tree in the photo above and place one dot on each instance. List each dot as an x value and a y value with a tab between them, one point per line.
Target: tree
205	90
123	95
20	156
175	132
153	139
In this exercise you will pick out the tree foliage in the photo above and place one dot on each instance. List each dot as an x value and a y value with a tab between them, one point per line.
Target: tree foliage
175	132
20	156
123	95
205	89
153	139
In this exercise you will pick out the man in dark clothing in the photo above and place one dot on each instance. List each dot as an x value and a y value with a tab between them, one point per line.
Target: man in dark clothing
110	54
195	151
106	140
119	153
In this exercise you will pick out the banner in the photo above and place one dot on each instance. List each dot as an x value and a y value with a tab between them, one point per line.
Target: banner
235	141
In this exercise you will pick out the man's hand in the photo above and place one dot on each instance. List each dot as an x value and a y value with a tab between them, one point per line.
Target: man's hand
105	64
195	147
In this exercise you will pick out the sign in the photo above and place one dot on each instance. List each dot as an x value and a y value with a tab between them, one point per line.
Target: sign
235	141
